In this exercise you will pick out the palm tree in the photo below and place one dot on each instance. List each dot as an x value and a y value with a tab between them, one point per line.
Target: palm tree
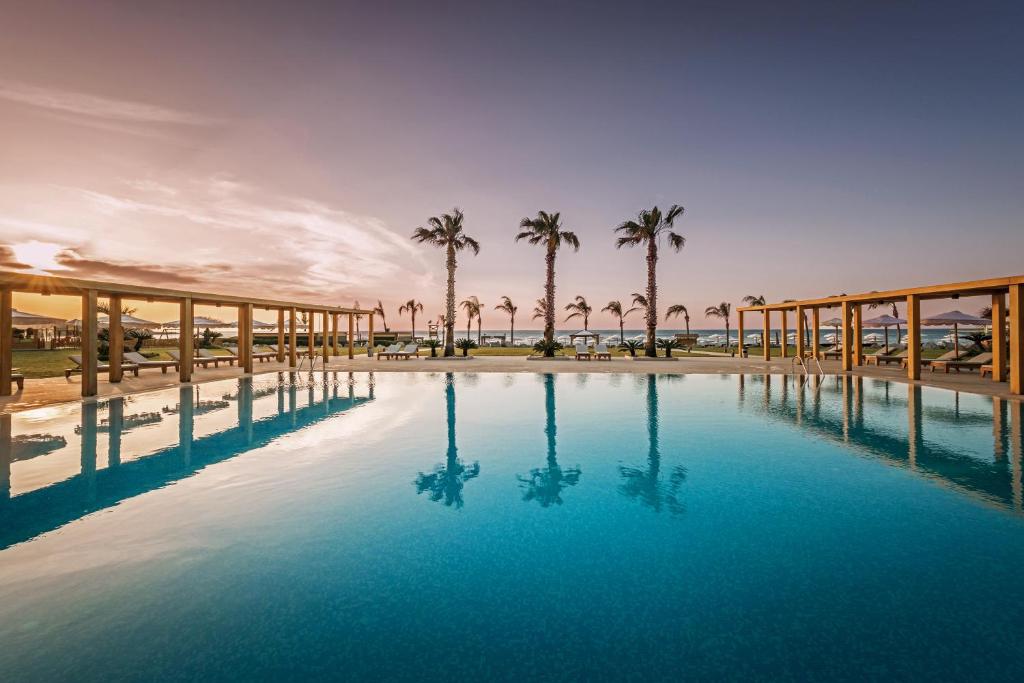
546	229
545	485
894	312
723	311
580	309
615	308
446	231
412	306
510	308
472	308
126	309
755	300
379	310
648	229
357	316
645	484
679	309
445	483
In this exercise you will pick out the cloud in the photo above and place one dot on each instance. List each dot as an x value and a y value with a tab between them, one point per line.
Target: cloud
94	106
9	261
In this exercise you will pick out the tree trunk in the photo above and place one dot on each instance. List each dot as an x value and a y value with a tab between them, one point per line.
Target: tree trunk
512	331
549	298
650	349
728	344
479	334
414	325
449	320
622	331
687	320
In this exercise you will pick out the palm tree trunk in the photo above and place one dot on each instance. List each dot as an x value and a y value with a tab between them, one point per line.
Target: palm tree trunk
728	345
449	320
512	331
652	298
414	325
686	318
622	330
549	296
479	324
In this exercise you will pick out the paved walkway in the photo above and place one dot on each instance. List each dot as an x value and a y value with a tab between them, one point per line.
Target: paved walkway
40	392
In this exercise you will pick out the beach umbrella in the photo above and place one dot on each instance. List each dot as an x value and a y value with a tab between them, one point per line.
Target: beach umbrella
22	320
833	323
127	322
257	325
885	322
955	318
198	321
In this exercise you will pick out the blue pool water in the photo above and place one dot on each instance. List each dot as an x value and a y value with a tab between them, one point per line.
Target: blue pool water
528	527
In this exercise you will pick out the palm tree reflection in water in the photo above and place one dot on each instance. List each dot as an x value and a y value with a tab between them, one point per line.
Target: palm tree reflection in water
446	481
545	484
645	485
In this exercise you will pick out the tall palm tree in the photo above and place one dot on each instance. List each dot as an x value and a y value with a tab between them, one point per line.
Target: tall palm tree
379	310
507	306
645	484
411	306
755	300
446	231
679	309
546	229
545	485
472	308
580	309
445	483
615	308
723	311
648	229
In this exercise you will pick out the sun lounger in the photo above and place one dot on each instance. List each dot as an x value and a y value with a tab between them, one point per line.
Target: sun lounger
986	370
834	352
895	354
196	360
601	352
77	360
947	357
258	355
970	364
210	355
390	352
582	353
409	351
18	379
136	358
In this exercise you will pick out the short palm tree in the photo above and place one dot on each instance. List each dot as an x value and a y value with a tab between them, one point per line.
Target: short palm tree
507	306
631	345
580	309
755	300
615	308
722	311
546	229
648	229
411	306
679	309
472	307
667	345
446	231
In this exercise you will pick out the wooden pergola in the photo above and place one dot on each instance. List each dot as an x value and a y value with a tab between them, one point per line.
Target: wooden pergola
91	290
1000	289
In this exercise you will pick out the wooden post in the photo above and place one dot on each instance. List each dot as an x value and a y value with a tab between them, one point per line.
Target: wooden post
325	342
845	350
858	335
785	333
245	338
739	331
800	332
765	336
6	341
116	335
334	334
293	338
913	336
815	327
369	343
280	335
1016	312
186	350
90	361
999	337
311	341
351	340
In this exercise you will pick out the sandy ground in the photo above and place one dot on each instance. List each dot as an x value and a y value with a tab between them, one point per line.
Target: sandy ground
40	392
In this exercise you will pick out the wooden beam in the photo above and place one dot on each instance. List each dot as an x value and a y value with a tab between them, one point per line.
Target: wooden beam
800	329
349	338
845	350
739	331
311	340
784	343
858	335
369	343
116	335
293	338
766	322
913	336
334	334
815	336
325	341
280	335
999	337
1016	313
6	341
245	338
90	361
186	345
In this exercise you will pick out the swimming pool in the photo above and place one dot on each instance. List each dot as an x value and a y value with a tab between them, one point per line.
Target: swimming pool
428	526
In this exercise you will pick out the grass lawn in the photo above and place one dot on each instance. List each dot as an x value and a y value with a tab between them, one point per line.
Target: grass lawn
36	364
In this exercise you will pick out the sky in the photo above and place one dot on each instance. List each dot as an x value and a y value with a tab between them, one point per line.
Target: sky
290	149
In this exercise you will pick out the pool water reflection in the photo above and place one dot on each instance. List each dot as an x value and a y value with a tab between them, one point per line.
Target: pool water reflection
425	526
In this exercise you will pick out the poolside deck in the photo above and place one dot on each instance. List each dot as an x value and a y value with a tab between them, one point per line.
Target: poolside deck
41	392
